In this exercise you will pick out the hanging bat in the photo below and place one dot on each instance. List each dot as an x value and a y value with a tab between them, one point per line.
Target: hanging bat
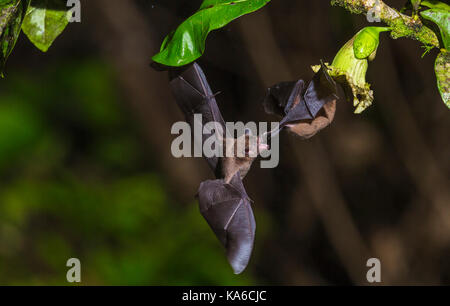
305	110
223	202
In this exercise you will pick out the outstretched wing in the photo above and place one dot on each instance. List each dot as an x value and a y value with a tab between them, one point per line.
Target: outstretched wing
280	98
194	96
227	209
321	90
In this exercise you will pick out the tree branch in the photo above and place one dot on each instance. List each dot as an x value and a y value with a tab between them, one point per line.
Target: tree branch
402	25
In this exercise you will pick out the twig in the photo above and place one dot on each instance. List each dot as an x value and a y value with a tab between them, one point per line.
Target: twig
402	25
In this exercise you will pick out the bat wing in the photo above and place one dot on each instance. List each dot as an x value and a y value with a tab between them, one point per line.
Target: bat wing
286	100
227	209
321	90
194	96
305	110
280	98
320	99
307	105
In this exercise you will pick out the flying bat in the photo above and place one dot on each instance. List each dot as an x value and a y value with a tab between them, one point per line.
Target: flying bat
223	202
305	109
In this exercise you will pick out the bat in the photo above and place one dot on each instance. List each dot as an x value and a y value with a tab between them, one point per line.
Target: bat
223	202
304	110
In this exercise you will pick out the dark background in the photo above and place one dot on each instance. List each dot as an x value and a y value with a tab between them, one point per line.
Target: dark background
86	169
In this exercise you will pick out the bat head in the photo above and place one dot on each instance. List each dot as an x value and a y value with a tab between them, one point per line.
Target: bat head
248	146
240	154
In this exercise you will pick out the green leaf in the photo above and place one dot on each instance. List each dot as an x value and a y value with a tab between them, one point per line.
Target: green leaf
44	22
367	41
436	4
442	69
187	42
11	17
441	17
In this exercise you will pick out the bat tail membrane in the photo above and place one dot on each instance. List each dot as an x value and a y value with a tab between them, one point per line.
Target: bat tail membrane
227	209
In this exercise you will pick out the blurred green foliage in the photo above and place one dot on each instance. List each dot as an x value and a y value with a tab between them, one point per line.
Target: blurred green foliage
75	183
